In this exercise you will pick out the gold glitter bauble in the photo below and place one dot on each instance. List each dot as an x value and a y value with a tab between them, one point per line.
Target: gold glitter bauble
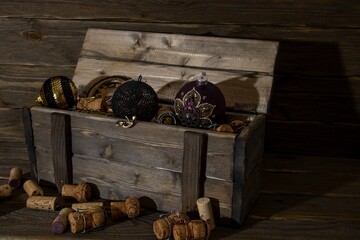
58	92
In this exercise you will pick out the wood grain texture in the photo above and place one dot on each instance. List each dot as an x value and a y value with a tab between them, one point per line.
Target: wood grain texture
61	148
318	61
246	91
164	60
316	137
12	140
135	161
29	141
248	12
275	216
181	50
193	170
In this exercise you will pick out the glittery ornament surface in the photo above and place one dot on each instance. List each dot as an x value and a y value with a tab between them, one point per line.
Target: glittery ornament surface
199	103
135	98
58	92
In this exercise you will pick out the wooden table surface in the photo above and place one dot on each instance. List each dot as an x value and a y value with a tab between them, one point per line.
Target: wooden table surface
303	197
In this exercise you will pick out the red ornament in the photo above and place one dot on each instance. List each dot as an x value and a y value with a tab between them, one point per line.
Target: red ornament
199	103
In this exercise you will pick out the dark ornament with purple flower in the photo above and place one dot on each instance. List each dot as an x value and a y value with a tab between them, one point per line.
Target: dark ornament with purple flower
199	103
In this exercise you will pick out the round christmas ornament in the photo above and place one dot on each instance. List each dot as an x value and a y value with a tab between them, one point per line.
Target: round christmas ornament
199	103
58	92
135	98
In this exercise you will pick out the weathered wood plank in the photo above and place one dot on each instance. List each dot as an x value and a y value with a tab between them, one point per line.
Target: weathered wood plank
286	207
261	12
98	136
20	84
280	216
124	165
312	184
308	175
254	145
181	50
12	143
312	138
61	148
328	107
193	170
334	45
240	89
29	141
311	164
107	51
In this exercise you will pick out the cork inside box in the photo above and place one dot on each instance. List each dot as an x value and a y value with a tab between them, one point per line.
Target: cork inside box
168	167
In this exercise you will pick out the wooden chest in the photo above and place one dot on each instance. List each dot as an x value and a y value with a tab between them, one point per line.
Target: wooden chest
166	166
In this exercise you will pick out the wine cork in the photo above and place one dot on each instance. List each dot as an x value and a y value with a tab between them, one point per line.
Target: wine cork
225	128
92	104
198	229
80	192
5	191
80	221
32	188
205	211
130	208
163	226
87	205
61	221
195	229
166	115
15	177
237	125
182	232
43	203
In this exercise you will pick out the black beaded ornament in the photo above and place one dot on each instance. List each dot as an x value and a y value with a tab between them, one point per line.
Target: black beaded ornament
58	92
135	98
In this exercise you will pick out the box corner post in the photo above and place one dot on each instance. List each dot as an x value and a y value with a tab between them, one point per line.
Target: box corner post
61	145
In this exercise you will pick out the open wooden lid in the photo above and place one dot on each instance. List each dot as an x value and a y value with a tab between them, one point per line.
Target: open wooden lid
241	68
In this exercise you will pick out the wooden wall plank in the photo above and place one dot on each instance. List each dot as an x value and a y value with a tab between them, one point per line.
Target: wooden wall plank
41	38
317	138
12	140
306	208
336	13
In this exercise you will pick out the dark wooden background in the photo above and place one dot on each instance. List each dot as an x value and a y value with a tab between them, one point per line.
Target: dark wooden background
315	105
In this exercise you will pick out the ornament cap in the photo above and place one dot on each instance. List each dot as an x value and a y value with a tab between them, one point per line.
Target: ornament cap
202	79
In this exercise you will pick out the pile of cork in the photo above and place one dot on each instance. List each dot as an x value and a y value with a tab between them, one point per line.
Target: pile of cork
74	204
77	210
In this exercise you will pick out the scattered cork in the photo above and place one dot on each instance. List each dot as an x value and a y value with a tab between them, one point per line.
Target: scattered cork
81	221
128	208
205	211
45	203
32	188
5	191
79	192
61	222
195	229
163	226
15	177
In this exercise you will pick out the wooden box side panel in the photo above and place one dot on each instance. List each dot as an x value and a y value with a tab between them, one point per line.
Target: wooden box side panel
144	161
247	168
254	136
